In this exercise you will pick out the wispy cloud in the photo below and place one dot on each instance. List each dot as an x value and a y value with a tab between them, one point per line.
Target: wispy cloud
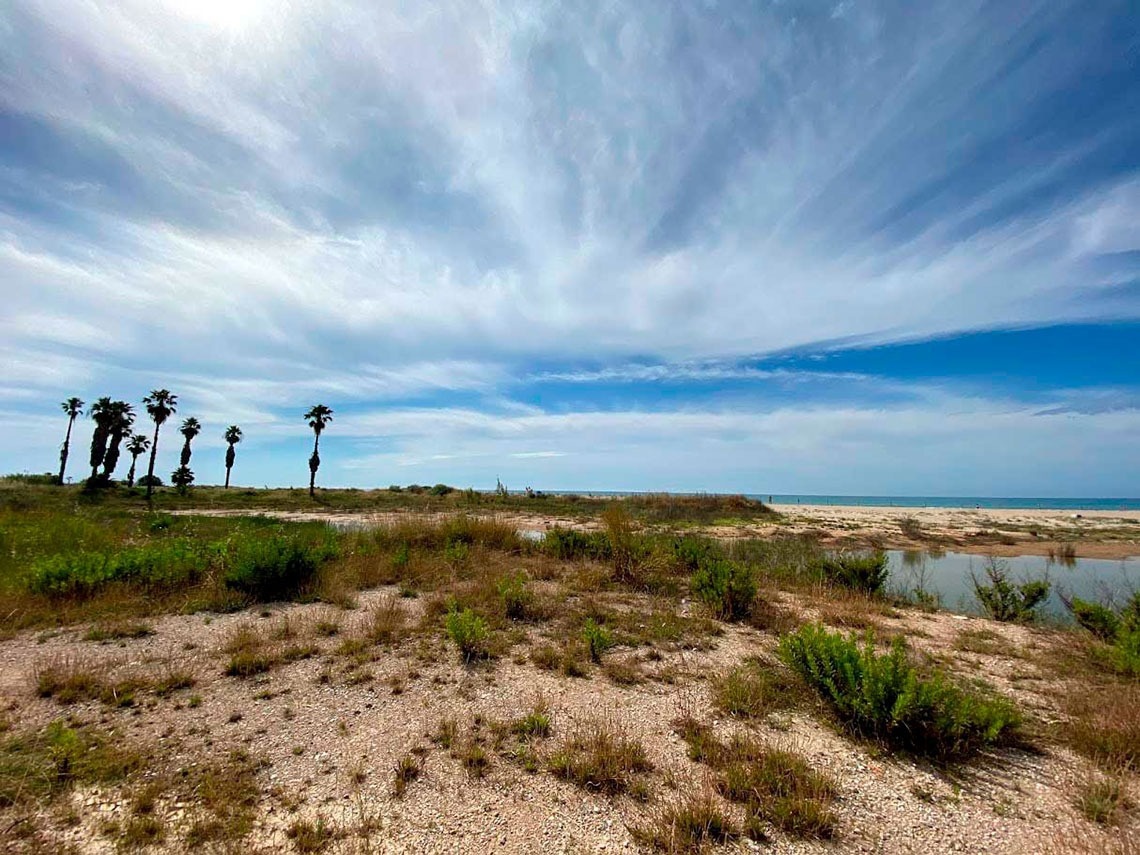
264	203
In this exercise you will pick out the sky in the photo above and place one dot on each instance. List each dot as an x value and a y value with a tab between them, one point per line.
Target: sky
883	248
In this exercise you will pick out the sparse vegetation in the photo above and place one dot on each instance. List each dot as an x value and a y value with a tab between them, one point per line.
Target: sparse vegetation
601	755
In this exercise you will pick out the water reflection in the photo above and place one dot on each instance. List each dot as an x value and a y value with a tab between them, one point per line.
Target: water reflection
947	578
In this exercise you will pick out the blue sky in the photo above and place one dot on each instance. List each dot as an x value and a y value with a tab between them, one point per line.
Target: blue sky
774	247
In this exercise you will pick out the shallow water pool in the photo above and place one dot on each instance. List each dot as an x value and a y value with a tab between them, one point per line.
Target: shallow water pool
950	576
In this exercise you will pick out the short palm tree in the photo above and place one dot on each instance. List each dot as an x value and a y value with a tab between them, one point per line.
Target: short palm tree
233	437
138	445
74	408
190	429
161	404
318	417
103	414
122	419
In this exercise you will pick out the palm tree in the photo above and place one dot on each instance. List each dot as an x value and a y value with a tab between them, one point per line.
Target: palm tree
122	418
318	418
161	405
73	407
102	411
190	429
138	444
233	437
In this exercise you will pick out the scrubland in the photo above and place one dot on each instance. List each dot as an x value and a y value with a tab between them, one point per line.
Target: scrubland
437	682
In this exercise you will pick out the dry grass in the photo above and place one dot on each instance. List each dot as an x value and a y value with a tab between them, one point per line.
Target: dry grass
692	823
1104	723
1104	798
754	690
73	679
601	755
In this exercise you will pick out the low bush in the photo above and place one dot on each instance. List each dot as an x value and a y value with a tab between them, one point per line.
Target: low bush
886	697
727	587
156	566
860	571
515	596
276	567
1100	620
1004	600
468	631
570	545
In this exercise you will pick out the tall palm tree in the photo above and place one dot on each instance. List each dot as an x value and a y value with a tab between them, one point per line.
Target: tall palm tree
233	437
74	408
190	429
138	444
161	404
102	411
122	418
318	417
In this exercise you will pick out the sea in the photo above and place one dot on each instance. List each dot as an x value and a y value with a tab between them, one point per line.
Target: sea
1003	502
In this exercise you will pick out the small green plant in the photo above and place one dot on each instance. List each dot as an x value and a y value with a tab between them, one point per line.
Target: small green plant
408	768
859	571
598	639
310	836
728	587
1103	799
515	595
886	697
469	632
534	723
1008	601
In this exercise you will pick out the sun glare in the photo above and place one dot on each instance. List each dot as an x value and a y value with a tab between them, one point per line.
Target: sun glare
223	14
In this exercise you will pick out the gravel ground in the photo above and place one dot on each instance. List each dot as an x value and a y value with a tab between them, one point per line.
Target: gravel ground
328	750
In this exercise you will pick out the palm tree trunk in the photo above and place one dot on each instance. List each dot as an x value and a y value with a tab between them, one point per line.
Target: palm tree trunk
66	449
150	469
312	468
131	473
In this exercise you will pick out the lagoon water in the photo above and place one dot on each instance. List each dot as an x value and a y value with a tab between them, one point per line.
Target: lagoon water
949	575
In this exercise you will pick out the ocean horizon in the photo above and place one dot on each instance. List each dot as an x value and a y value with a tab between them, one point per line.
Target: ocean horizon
1042	503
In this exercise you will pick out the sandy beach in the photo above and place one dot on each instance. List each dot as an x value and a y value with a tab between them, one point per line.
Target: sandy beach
1006	532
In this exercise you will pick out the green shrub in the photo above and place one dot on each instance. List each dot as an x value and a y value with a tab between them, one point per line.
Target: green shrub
468	631
84	574
727	587
569	545
866	572
598	639
1100	620
515	595
1008	601
275	567
691	553
885	696
441	490
1125	652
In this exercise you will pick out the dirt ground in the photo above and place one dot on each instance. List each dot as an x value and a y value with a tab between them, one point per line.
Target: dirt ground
327	743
